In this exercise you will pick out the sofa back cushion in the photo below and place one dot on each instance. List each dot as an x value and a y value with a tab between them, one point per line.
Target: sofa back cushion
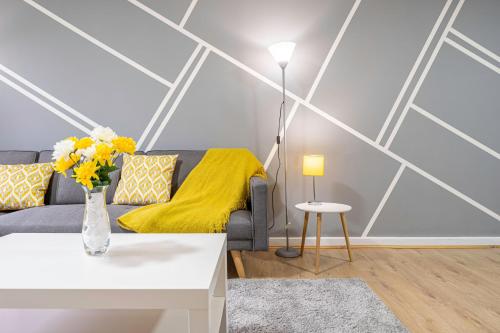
64	190
24	185
17	157
145	180
186	161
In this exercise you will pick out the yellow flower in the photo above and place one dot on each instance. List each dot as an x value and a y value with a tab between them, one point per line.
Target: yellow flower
103	154
74	157
62	165
84	143
73	138
85	173
124	145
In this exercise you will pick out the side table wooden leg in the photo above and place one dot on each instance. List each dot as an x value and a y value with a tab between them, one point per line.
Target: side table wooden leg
318	239
304	232
346	235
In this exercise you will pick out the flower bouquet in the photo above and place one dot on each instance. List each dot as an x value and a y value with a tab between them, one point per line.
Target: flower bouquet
92	159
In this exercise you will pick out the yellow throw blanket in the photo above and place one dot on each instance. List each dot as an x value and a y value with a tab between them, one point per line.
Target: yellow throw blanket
217	186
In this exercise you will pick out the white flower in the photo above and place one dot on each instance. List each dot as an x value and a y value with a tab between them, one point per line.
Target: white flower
87	153
62	149
103	134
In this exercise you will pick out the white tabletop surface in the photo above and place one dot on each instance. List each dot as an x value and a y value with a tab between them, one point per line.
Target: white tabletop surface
324	207
133	262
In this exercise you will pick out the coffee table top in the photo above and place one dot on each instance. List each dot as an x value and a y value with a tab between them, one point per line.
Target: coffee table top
134	262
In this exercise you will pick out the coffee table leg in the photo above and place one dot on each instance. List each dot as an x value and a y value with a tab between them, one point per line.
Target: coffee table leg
346	235
183	321
304	232
220	294
173	320
318	239
211	320
198	321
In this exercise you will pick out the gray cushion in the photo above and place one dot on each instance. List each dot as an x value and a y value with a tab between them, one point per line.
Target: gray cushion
17	157
186	161
64	190
240	225
240	245
54	218
68	218
258	196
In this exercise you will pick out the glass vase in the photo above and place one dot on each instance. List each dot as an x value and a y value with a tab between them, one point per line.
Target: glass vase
96	230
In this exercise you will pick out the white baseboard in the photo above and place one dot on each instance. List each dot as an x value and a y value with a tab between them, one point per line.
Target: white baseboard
391	241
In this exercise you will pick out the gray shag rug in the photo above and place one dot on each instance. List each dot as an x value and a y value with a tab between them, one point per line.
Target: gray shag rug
298	306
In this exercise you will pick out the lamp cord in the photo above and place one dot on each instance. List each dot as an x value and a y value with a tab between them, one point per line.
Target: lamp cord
278	141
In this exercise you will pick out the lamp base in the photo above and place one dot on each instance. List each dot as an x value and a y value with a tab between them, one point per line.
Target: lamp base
289	252
314	203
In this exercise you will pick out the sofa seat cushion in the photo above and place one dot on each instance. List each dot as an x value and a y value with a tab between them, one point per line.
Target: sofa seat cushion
68	218
54	218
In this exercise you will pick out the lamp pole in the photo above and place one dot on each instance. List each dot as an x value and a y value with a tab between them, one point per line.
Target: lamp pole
282	52
287	251
284	154
314	188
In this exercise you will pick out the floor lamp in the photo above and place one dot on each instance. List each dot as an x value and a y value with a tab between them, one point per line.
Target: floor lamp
282	52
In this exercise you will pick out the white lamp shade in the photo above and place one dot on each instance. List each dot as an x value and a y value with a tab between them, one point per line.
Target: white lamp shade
313	165
282	52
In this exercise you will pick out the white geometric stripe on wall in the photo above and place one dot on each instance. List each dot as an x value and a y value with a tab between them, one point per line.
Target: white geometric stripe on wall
42	103
189	10
475	56
167	99
39	120
413	70
179	87
130	32
455	131
479	20
424	74
178	99
75	71
317	79
48	96
382	203
475	44
99	44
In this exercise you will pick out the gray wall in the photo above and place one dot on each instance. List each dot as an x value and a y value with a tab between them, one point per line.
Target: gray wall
401	96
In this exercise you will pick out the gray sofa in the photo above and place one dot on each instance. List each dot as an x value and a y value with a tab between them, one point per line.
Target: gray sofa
64	204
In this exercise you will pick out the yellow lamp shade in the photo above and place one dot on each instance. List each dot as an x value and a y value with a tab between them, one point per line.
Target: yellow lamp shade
313	165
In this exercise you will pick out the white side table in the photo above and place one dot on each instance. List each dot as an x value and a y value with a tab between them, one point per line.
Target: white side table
319	209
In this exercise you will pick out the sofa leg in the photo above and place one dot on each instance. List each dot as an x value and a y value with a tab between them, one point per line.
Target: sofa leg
238	263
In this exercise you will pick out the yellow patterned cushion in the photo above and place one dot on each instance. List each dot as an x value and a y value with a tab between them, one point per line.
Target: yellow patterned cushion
145	180
23	185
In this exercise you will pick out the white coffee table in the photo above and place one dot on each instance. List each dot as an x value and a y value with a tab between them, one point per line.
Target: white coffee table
184	275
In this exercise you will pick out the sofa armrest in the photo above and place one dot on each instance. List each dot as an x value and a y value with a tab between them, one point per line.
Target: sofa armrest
258	197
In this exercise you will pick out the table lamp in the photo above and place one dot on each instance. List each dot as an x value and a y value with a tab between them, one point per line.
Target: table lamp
313	165
282	53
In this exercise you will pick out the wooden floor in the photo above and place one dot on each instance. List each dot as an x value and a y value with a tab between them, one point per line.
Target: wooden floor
430	290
